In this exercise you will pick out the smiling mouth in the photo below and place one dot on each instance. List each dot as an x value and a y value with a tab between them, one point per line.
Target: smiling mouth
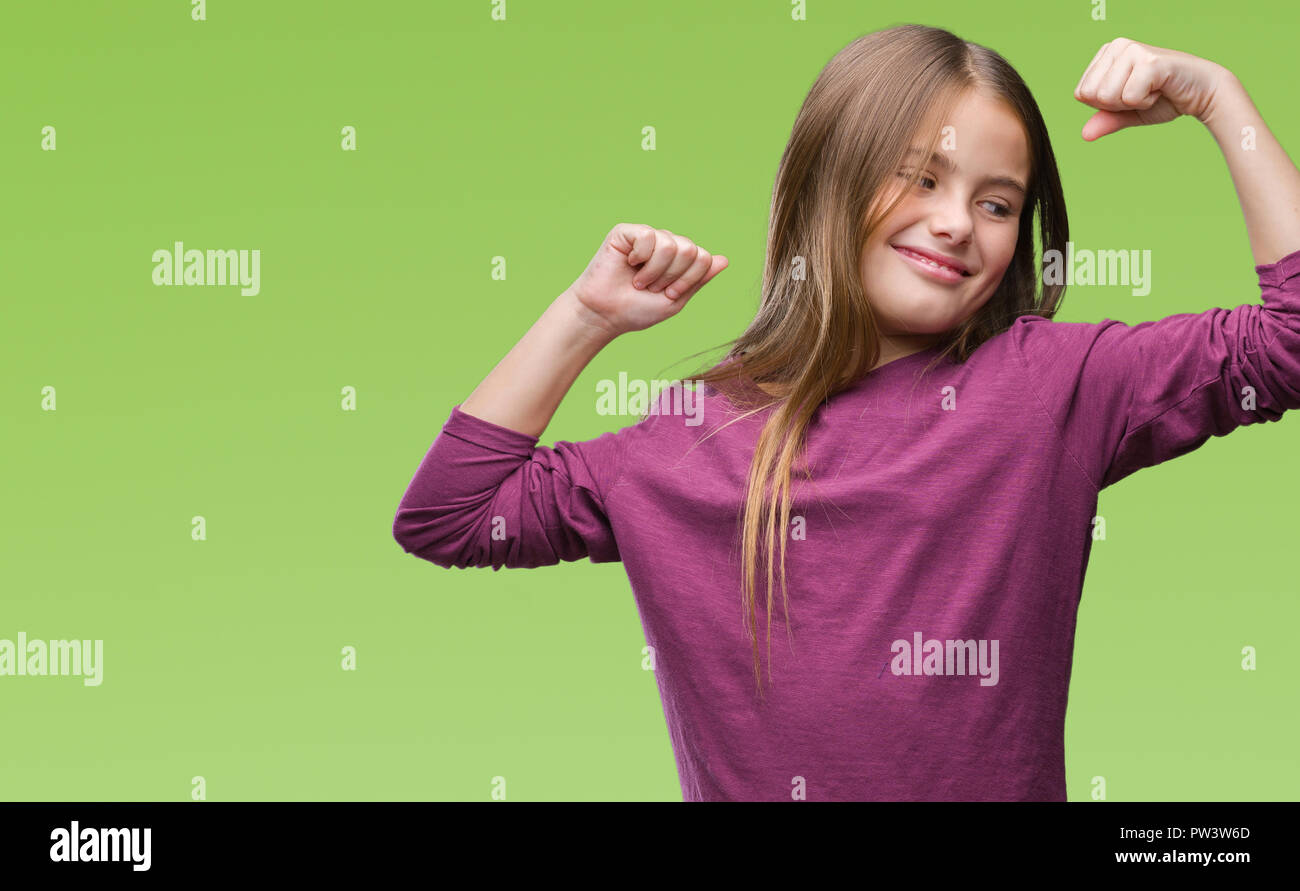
923	261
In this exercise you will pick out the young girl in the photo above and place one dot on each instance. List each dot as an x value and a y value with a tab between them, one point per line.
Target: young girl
949	437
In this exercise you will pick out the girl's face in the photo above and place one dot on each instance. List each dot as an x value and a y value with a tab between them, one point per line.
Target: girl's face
967	211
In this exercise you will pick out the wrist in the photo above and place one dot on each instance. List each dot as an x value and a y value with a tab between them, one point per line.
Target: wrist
1228	97
586	325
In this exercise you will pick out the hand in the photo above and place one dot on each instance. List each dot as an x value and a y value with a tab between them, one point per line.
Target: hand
1135	84
669	268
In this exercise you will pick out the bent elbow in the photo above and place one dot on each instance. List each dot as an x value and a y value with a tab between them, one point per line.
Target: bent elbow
414	538
433	541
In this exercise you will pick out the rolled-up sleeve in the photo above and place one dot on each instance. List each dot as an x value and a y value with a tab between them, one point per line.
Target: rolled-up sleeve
1125	397
486	495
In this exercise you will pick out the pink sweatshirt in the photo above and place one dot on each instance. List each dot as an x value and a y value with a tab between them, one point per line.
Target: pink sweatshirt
935	561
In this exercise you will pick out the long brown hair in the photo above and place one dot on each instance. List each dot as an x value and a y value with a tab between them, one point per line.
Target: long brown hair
815	333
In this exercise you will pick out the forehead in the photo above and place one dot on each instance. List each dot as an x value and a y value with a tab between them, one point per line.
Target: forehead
983	133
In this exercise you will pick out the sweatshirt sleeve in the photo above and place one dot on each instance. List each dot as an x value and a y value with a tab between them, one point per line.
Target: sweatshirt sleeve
486	495
1125	397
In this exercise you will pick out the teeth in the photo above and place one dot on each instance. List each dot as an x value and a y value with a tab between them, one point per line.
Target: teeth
927	261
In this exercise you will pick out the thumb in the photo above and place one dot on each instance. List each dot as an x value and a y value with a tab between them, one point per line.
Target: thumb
719	263
1104	123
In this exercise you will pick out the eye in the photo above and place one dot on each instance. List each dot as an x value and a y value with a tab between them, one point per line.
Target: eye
905	174
1001	211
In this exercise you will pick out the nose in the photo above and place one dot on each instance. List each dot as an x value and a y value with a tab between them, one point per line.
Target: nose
951	217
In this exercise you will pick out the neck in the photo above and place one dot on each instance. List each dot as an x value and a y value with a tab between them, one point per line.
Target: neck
897	346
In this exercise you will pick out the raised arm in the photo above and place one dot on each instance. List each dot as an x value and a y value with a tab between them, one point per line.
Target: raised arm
1266	179
639	277
1134	84
525	388
1126	397
486	494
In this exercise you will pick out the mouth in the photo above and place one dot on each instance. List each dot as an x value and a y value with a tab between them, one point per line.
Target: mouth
934	266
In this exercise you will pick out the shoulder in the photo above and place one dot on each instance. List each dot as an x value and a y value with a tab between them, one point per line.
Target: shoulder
1035	335
1048	349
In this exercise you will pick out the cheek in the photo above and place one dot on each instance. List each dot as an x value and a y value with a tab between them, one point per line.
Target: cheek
1003	248
876	256
993	279
997	253
998	272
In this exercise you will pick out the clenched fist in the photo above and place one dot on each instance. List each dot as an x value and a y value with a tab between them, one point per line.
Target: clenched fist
641	276
1135	84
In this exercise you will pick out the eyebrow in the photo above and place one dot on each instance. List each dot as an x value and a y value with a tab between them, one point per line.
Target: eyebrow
942	160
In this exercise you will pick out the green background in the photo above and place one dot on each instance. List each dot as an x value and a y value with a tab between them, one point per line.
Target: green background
521	139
